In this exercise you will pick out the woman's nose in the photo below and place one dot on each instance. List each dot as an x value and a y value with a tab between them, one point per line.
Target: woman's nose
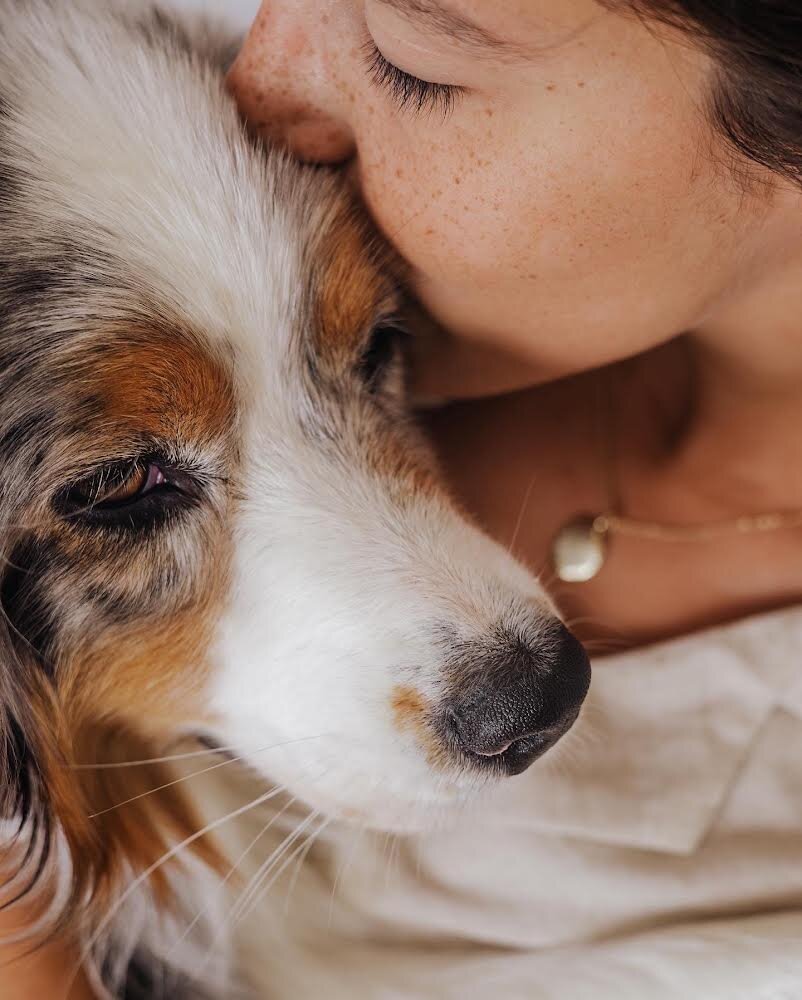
288	85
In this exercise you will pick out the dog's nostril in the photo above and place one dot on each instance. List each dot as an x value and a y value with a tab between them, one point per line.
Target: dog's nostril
525	700
496	751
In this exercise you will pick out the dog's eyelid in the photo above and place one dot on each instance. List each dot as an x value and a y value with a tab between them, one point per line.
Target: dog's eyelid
380	350
162	486
389	314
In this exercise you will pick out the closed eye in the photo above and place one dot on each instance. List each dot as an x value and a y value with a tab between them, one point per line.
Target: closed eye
130	494
409	92
381	350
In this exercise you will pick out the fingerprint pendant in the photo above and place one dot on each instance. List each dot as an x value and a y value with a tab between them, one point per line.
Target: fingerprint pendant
579	550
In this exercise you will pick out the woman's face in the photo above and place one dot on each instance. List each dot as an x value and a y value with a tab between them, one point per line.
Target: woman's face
560	195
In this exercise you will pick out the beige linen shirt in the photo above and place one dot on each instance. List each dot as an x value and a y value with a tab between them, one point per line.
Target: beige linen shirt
657	854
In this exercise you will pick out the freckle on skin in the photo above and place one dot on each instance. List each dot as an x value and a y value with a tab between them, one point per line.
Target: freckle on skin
581	83
296	43
551	87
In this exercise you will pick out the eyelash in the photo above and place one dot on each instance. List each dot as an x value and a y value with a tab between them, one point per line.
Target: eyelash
409	92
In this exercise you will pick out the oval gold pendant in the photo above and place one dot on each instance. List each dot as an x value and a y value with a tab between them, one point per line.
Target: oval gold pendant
579	550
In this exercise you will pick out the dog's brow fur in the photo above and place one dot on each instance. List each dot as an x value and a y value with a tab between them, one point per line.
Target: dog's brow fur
167	386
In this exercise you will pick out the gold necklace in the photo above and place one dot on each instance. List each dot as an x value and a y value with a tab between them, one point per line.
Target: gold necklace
580	548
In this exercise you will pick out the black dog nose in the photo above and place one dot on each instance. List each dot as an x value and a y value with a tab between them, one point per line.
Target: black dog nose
524	701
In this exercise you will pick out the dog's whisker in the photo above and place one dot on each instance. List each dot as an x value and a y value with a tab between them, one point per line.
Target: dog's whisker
114	765
342	868
234	868
263	889
161	788
188	756
310	840
242	907
193	774
521	513
275	875
385	855
236	911
418	858
393	857
143	876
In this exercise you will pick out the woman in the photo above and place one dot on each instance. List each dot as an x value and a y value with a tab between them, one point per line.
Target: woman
600	204
581	185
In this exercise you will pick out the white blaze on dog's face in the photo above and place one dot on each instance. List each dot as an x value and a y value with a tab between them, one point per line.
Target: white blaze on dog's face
216	516
363	608
372	638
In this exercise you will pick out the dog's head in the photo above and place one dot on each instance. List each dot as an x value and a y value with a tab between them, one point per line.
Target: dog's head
215	516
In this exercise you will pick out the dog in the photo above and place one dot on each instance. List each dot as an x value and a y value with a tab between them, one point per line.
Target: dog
218	520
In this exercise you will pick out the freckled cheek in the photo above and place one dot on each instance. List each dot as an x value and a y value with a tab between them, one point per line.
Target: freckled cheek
501	206
559	216
446	217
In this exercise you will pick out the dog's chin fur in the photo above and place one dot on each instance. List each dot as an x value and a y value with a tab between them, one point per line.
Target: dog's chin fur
181	307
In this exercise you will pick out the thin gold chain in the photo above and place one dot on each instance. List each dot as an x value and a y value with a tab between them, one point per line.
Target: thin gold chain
744	525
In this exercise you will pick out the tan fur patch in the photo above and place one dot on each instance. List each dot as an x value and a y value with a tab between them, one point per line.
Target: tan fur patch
413	473
351	287
117	704
411	714
121	698
158	381
409	707
151	675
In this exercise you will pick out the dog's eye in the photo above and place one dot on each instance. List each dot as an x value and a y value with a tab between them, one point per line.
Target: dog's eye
380	351
141	478
127	494
118	485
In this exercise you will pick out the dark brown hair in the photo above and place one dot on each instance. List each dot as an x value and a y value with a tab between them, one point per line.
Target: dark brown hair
756	103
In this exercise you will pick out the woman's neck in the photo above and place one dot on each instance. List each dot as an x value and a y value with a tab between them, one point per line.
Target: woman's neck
725	402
